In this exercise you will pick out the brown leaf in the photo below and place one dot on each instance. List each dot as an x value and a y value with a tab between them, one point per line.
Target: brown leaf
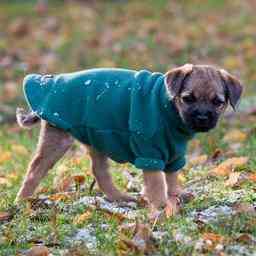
19	28
5	216
39	250
246	238
233	179
142	241
78	179
227	166
244	208
252	177
215	238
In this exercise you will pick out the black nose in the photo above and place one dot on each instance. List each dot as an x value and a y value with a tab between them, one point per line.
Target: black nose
202	115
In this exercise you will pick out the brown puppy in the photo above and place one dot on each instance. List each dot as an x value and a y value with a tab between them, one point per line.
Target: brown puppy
200	94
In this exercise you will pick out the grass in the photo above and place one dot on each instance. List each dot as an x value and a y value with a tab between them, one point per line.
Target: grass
132	34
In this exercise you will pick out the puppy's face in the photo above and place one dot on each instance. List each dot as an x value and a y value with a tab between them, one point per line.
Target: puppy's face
201	94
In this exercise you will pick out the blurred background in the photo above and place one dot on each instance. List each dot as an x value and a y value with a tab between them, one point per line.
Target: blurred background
64	36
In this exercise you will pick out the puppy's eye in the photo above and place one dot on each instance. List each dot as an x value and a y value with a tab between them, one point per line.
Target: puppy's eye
218	102
189	99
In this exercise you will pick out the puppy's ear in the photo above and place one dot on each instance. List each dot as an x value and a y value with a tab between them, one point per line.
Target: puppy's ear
175	77
233	87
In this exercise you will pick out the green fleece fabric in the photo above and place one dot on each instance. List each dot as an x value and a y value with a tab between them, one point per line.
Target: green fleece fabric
125	114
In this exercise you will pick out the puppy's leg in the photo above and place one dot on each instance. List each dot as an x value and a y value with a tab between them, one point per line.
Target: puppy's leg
173	186
99	166
155	188
174	191
52	145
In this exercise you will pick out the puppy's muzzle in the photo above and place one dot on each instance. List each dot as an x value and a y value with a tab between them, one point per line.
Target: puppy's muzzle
203	120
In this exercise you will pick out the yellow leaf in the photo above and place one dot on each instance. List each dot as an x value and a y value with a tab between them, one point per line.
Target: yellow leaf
19	149
83	217
198	160
227	166
181	178
5	181
235	136
59	197
5	156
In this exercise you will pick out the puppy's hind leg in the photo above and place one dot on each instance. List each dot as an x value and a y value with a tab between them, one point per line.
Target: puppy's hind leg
99	166
52	145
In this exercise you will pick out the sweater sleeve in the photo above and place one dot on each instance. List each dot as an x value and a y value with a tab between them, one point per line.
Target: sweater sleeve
176	165
147	156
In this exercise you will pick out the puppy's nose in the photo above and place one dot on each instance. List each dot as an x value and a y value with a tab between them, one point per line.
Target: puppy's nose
202	117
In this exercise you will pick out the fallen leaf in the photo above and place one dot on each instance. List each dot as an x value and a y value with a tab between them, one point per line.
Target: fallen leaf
38	250
233	179
215	238
142	241
59	197
78	179
229	165
5	181
19	149
5	216
83	217
252	177
246	238
5	156
198	160
235	136
244	208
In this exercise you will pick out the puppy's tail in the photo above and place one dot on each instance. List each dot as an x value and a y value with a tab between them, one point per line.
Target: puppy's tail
26	120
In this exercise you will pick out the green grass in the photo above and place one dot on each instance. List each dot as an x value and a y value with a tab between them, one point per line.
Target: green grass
132	34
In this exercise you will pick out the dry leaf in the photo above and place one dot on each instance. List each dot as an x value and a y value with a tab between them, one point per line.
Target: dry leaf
5	156
233	179
246	238
215	238
227	166
252	177
5	216
198	160
235	136
39	250
19	149
244	208
59	197
5	181
83	217
79	179
142	241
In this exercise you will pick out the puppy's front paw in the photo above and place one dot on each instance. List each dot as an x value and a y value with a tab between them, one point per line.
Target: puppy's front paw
173	206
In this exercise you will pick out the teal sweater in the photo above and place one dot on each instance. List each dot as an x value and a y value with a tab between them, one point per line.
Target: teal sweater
123	113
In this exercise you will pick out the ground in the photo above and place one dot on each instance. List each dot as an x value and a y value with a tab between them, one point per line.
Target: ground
70	217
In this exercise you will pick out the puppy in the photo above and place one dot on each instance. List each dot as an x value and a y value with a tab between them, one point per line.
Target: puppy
131	116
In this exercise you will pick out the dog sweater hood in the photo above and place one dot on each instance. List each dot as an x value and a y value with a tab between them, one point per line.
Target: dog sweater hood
123	113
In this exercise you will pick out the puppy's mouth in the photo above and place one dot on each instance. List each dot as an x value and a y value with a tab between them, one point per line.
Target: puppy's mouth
199	126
